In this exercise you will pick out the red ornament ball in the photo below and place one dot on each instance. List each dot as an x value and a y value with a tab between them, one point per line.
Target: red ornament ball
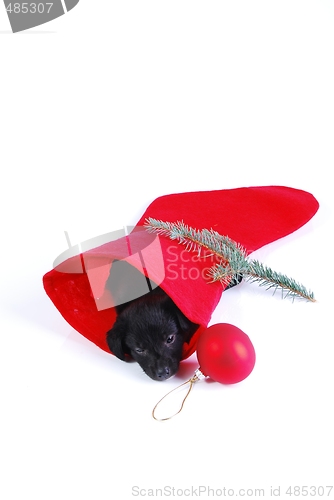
225	353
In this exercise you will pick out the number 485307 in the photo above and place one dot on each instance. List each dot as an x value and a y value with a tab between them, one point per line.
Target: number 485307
27	7
304	491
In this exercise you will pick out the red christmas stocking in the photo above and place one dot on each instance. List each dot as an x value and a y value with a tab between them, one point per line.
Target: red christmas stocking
253	217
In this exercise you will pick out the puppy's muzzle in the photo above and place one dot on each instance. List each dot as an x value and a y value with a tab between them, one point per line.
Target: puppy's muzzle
163	373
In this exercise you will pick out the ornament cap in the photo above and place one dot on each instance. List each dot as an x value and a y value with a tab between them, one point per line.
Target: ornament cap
199	374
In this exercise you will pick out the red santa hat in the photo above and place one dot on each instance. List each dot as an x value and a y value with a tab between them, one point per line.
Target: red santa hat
252	216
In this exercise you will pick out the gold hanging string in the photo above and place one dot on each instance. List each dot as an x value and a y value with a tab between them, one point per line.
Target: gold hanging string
197	376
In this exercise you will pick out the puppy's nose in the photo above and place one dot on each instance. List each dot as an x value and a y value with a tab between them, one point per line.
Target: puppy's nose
163	373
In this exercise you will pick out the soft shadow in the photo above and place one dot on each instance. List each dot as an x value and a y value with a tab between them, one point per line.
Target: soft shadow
186	370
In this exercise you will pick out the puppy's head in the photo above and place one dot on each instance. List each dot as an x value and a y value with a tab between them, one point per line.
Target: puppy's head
152	331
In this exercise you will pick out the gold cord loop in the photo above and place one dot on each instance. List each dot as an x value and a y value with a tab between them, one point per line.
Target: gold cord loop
191	382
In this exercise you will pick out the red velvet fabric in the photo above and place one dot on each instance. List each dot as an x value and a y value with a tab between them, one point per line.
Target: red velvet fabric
252	216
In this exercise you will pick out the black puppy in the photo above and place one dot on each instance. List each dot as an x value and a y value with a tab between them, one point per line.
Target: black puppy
149	328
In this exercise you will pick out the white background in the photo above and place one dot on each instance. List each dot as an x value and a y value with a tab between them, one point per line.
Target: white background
101	111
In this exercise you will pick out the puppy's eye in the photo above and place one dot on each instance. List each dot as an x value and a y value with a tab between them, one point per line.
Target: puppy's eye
139	350
170	339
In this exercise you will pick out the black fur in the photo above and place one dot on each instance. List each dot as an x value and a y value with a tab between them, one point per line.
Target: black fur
149	329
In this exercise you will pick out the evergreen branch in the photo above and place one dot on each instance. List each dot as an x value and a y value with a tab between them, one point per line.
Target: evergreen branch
265	276
233	260
222	246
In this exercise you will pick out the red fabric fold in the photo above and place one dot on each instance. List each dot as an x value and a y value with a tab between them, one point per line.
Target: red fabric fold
252	216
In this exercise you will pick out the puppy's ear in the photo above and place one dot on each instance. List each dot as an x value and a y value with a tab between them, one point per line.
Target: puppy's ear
115	341
188	327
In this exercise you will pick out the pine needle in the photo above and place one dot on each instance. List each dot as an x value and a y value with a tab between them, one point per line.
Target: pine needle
231	256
